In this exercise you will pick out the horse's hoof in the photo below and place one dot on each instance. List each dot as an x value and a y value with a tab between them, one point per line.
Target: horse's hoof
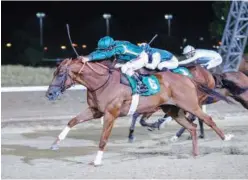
150	129
174	139
131	140
201	136
54	147
95	164
189	137
228	137
195	155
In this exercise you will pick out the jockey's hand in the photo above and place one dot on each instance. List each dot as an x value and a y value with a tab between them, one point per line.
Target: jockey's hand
84	59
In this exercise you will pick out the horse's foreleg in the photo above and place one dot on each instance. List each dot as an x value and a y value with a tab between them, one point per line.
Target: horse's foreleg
132	127
86	115
111	113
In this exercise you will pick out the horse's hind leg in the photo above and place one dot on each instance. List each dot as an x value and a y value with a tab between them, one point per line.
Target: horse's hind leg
190	126
201	129
209	121
204	109
84	116
132	127
179	133
151	126
160	121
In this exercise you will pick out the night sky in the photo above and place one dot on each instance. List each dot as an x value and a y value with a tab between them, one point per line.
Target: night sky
131	21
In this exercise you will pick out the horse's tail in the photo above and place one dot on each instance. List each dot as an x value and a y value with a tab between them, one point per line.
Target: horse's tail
203	88
233	87
241	101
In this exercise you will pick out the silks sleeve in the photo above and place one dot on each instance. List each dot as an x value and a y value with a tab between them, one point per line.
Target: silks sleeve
100	55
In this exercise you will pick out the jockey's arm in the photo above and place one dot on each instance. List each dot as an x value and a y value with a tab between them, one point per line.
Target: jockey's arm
189	60
100	55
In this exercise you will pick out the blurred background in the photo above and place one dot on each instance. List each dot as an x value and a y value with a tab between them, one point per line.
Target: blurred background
34	33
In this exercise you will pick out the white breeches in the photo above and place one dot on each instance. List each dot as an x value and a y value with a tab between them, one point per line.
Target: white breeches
171	64
214	62
156	58
130	67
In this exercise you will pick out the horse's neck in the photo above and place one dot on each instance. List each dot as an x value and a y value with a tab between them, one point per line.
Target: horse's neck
93	76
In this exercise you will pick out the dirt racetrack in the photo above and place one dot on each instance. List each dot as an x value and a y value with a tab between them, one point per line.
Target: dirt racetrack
30	124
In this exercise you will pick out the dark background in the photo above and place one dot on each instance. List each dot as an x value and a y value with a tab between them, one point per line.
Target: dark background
131	21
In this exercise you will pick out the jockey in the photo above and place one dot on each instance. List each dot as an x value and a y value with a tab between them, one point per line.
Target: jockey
206	58
123	50
158	58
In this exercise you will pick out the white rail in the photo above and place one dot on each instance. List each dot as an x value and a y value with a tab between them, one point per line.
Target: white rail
36	88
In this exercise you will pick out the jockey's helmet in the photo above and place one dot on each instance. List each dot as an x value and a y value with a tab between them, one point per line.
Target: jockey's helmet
189	51
105	42
145	46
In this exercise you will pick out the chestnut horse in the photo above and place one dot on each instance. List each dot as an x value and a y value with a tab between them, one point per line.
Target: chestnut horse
108	97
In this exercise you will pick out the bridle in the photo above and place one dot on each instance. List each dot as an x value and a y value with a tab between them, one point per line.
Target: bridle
67	74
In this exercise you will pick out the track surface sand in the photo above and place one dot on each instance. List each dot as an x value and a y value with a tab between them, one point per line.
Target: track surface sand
30	124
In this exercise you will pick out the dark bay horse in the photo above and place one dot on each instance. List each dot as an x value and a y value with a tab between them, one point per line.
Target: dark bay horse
108	97
231	84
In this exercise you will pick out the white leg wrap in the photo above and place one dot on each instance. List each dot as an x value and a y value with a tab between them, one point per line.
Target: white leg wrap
204	108
102	120
174	139
134	104
98	159
64	133
228	137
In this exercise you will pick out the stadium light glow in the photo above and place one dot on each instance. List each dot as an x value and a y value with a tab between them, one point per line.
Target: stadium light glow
8	45
63	47
106	16
74	45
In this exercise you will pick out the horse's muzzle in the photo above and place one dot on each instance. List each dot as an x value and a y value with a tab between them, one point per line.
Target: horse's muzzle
53	93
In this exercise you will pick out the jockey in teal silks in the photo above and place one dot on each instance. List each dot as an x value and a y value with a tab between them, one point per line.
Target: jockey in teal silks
125	51
160	59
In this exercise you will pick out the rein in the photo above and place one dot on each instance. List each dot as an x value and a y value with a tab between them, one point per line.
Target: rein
82	68
100	74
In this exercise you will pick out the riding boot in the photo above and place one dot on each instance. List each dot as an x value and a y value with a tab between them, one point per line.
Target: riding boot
164	69
141	88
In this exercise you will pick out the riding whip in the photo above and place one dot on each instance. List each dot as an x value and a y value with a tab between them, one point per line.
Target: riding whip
153	39
68	31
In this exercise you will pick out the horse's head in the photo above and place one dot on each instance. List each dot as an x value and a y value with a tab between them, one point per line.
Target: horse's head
63	78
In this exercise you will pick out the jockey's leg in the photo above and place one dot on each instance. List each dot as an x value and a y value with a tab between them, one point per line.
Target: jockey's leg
156	59
170	64
130	67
